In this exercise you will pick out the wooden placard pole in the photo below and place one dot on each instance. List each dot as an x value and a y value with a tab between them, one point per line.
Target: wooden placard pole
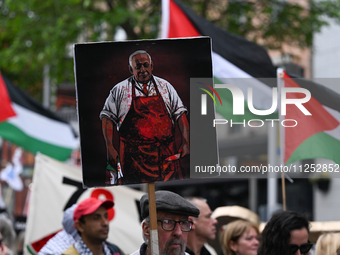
283	191
280	85
153	220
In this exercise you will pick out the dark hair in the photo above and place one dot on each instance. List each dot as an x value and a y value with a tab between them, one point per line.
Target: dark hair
82	220
276	234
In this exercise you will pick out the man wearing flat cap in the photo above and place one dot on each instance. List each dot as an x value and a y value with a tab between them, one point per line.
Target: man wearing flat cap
91	220
172	223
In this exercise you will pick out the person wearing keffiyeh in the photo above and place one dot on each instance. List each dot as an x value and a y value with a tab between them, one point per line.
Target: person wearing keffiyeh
91	220
64	238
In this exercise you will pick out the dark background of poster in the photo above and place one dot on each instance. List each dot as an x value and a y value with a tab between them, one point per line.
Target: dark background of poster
100	66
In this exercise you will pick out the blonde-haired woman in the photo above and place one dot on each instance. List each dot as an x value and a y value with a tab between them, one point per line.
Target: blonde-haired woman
327	244
240	237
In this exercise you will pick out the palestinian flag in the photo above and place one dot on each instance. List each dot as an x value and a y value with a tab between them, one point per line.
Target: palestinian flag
235	60
24	122
316	135
239	62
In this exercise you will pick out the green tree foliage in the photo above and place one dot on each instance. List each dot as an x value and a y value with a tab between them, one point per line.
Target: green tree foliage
270	22
34	33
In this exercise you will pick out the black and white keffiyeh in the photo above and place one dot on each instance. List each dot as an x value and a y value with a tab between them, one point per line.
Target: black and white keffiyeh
82	248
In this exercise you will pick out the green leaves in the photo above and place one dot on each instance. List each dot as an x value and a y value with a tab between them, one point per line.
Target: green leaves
270	23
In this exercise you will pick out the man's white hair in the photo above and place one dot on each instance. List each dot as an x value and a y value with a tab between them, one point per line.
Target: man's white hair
146	221
137	52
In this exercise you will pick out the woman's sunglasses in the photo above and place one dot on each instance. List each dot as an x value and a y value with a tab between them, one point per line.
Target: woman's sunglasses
304	248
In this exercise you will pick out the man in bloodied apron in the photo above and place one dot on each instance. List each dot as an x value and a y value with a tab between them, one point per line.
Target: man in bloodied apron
145	109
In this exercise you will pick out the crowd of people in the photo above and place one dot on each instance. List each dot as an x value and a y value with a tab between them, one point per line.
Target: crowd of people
184	227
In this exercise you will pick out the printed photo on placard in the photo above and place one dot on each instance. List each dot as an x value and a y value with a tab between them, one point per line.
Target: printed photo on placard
134	108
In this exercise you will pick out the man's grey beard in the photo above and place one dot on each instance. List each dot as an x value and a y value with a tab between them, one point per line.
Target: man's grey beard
174	251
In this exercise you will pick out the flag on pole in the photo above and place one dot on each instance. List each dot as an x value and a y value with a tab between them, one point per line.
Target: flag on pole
24	122
316	135
57	186
233	57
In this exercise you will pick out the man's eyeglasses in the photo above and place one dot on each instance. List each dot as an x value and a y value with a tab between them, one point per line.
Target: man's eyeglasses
304	248
139	65
169	225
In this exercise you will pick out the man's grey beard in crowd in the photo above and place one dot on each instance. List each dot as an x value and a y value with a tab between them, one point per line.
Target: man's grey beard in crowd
174	251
